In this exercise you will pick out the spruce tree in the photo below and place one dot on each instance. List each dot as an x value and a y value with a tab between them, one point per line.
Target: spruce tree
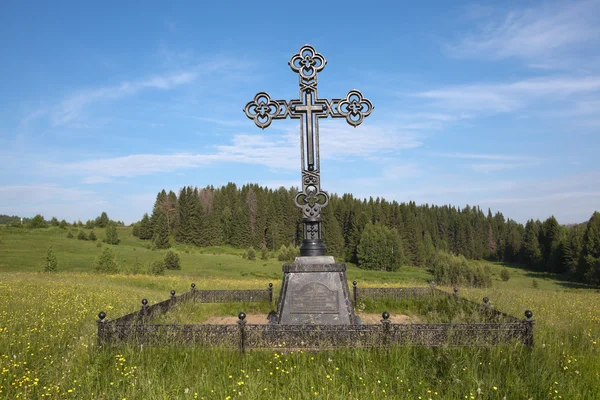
161	233
51	264
589	264
531	245
106	262
145	231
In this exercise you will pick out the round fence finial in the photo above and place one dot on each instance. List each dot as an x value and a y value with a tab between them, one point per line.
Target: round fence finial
528	314
486	300
354	283
385	315
101	315
242	316
172	293
145	302
270	284
193	285
455	290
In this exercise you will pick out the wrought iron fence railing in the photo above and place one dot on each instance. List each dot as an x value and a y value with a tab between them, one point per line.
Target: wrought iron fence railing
136	327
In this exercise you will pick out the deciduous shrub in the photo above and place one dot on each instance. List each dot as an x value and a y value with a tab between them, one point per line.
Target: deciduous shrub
251	254
70	234
92	236
504	275
449	269
81	235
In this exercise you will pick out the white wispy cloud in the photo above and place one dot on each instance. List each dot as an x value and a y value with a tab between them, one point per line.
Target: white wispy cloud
485	156
538	34
508	97
278	152
49	200
71	107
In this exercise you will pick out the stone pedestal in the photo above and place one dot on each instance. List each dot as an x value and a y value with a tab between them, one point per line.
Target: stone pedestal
315	291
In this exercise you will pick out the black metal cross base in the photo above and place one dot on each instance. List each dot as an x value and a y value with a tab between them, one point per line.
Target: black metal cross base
309	108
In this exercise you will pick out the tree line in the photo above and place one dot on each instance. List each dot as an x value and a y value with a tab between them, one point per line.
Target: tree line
360	230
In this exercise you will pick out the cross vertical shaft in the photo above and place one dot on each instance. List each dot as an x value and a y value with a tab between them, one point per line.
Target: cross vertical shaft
309	108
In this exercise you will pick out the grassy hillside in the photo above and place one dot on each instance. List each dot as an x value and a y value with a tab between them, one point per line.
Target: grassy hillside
48	347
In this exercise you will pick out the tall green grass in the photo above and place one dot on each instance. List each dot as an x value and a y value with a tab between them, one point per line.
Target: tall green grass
48	336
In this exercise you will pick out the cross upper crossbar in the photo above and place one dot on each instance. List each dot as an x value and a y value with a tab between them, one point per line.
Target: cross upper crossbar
309	109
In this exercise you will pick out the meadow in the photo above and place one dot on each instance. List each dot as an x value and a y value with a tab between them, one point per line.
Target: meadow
48	344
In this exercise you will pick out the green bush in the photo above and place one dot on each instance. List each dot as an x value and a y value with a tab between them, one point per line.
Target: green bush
63	224
92	236
157	267
99	244
136	268
81	235
504	275
106	262
172	260
70	234
448	269
251	254
288	253
534	284
112	237
264	254
51	264
380	248
37	222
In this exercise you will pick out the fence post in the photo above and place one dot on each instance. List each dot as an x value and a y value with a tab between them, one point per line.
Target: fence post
242	324
172	296
101	328
270	292
529	322
456	293
354	291
386	325
144	310
193	290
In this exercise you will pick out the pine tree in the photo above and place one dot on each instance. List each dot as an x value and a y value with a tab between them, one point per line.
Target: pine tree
51	264
161	233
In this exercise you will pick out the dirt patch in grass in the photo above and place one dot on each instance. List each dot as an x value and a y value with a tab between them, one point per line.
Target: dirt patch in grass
260	319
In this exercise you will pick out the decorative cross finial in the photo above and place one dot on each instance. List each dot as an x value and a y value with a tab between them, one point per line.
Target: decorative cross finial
309	108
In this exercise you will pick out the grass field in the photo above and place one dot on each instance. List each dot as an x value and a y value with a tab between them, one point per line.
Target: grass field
48	347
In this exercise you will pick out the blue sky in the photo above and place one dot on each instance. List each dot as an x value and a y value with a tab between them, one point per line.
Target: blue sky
494	104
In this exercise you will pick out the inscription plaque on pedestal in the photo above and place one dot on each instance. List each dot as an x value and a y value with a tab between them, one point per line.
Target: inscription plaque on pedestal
315	298
315	291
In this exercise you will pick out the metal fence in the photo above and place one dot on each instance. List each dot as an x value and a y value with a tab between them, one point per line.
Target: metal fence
245	336
136	327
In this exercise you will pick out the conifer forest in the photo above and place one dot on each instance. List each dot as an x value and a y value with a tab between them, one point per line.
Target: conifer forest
267	219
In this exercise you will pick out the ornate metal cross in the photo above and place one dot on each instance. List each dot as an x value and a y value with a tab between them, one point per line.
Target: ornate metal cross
309	109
